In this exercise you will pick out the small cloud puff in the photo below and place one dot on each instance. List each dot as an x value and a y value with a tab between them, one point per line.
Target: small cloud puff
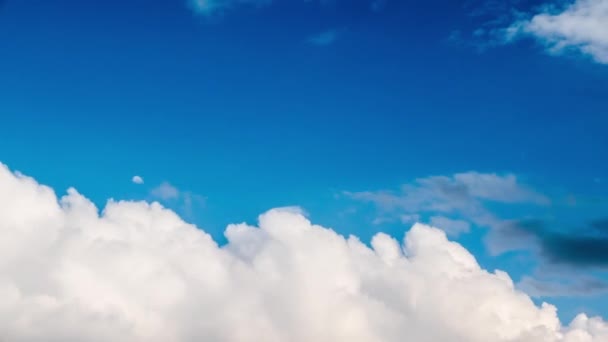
137	180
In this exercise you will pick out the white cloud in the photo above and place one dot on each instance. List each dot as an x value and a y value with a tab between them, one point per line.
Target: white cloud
137	180
165	191
582	26
137	272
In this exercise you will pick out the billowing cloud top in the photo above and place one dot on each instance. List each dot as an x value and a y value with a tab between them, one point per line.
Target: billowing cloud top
137	272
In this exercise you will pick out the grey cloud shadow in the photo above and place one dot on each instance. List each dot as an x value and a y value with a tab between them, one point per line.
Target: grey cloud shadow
586	246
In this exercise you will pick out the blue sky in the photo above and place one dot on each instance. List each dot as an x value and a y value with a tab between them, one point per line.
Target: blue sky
345	108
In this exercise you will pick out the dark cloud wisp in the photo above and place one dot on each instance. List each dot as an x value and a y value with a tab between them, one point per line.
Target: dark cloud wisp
583	247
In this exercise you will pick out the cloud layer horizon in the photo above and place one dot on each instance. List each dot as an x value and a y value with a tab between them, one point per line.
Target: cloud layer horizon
138	272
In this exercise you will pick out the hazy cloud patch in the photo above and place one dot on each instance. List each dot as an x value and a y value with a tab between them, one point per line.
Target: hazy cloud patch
464	195
324	38
165	191
559	287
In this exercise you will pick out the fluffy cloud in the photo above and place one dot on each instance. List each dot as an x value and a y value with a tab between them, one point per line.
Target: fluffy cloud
137	272
582	26
137	180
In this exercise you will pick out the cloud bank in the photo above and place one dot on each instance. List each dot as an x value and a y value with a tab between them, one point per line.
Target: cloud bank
137	272
582	26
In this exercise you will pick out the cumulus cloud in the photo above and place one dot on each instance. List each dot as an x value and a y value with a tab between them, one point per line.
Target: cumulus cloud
581	26
137	180
137	272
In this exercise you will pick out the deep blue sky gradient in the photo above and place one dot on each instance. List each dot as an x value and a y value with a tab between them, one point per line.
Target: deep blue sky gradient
242	109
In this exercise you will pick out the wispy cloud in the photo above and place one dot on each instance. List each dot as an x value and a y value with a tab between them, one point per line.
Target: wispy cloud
462	194
185	201
325	38
451	226
210	7
165	191
559	287
586	246
562	288
378	5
